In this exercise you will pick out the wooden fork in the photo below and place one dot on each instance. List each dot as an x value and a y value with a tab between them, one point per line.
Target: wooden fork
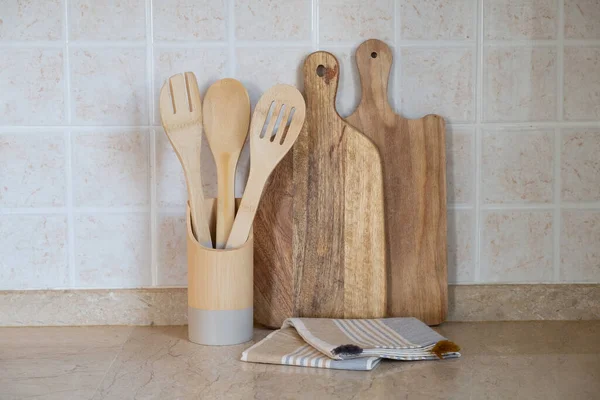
181	116
270	140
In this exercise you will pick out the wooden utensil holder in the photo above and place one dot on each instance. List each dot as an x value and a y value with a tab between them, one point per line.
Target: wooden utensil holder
220	290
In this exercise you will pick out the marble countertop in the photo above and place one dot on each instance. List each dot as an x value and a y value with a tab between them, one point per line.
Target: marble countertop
533	360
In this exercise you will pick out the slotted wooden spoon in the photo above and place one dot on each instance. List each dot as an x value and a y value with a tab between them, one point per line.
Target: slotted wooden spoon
272	135
226	111
181	116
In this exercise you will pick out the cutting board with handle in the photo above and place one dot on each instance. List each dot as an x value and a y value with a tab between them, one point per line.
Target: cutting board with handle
338	217
414	170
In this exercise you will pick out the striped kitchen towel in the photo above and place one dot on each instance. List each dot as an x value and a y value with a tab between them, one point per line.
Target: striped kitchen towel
354	344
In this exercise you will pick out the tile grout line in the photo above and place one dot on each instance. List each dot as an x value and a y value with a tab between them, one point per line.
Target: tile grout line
533	125
151	135
557	217
231	40
397	95
315	25
477	138
69	208
69	151
292	43
76	210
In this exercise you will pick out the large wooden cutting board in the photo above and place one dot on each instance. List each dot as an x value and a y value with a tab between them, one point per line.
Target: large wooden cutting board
414	168
338	224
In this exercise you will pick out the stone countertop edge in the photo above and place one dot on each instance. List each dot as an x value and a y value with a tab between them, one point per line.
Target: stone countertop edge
168	306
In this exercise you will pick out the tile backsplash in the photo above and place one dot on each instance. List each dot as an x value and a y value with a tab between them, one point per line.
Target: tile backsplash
92	195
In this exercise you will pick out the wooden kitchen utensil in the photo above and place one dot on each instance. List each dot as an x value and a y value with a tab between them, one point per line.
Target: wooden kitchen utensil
226	118
414	170
276	123
339	237
181	116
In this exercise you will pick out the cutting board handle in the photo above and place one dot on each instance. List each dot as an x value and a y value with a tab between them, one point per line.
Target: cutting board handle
374	60
321	76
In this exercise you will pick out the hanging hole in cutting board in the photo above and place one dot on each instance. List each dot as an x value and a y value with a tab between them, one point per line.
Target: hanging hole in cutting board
373	55
278	122
321	70
267	120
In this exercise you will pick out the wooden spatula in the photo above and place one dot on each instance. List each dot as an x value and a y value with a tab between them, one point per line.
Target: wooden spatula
276	124
181	116
226	119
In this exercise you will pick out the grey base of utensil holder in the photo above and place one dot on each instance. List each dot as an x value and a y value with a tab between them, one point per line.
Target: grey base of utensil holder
220	327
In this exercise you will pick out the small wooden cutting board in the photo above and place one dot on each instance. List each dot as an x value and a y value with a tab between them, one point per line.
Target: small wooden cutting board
338	225
414	170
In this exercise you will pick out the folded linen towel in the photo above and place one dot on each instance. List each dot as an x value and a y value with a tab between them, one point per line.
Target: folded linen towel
354	344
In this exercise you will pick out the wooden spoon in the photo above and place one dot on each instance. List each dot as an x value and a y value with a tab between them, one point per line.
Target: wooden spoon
272	135
226	120
181	116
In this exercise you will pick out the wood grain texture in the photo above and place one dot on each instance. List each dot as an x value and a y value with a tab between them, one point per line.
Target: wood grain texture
273	269
338	224
218	279
414	169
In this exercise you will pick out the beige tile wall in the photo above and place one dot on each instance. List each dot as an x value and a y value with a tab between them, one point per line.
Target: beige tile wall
92	195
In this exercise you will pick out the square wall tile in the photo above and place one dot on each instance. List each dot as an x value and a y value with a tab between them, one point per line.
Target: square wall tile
112	250
438	81
437	20
190	19
32	87
459	165
31	20
32	170
517	166
171	189
108	86
519	19
273	20
356	20
579	250
172	251
519	84
461	246
110	169
260	69
582	19
107	20
209	65
582	83
34	252
516	246
580	165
